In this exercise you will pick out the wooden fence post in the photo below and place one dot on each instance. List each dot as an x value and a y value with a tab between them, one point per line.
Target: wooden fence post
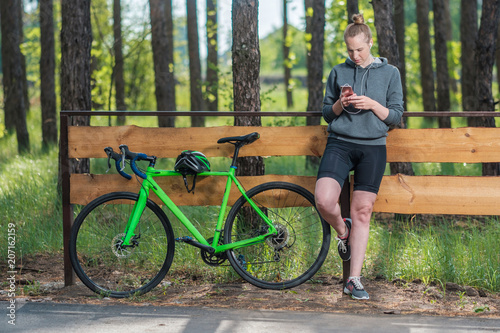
67	213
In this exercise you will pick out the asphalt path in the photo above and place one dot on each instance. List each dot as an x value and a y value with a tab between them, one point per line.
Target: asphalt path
56	317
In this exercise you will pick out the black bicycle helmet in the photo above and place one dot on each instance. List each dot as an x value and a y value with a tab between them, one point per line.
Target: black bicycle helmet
191	162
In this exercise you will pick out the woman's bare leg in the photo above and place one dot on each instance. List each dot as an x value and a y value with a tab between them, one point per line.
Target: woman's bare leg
361	212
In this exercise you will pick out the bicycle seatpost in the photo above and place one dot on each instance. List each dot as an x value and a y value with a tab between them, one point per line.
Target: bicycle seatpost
235	155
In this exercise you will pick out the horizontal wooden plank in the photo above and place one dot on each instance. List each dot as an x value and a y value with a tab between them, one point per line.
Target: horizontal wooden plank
439	195
459	145
208	191
89	142
398	194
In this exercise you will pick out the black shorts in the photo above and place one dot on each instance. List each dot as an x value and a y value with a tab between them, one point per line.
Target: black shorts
368	163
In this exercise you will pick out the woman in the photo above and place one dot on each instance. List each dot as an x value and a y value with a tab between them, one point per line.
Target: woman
358	121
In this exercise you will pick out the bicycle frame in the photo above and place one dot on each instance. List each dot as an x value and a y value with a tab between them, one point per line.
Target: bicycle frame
150	184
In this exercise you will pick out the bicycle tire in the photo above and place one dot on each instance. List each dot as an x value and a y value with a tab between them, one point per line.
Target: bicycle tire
295	254
104	266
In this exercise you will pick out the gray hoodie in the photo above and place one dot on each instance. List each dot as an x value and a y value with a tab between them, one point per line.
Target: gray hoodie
379	81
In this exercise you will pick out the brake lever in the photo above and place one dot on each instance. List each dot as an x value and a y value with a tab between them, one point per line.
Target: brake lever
108	151
123	158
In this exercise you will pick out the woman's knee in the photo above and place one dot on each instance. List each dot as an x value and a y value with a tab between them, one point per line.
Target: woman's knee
362	211
362	206
326	196
325	204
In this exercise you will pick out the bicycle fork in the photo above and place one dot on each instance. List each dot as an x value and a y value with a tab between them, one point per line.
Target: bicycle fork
134	218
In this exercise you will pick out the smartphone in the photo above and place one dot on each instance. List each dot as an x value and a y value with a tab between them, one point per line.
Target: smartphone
347	90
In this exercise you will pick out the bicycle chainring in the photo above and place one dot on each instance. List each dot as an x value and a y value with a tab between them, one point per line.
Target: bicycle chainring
213	259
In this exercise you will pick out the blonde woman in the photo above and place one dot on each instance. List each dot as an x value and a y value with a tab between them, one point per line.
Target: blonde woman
363	98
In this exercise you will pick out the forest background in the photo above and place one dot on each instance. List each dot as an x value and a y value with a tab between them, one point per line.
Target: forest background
443	35
138	69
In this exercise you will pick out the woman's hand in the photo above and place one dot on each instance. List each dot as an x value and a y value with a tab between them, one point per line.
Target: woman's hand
359	102
345	100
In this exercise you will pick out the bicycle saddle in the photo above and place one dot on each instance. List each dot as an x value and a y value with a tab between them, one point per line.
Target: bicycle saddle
243	140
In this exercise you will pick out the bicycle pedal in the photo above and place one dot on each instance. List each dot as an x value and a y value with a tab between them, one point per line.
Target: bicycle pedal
184	239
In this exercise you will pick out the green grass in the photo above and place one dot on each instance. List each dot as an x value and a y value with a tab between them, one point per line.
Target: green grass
29	199
445	249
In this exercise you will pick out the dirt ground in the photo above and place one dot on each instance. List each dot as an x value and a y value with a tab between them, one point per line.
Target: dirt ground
41	279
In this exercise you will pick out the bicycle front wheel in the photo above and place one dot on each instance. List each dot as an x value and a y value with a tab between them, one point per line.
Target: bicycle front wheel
291	257
107	266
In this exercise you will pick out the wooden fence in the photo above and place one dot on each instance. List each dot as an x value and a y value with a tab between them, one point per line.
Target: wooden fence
464	195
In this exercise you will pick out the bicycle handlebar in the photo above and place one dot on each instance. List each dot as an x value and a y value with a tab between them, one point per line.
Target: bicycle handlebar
133	157
118	159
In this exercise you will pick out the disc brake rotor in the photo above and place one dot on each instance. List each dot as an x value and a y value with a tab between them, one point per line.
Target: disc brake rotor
118	249
281	239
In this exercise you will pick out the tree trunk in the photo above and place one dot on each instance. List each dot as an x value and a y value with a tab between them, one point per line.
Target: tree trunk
388	48
399	22
424	43
449	38
27	102
246	72
118	70
352	8
484	59
316	29
441	51
47	74
10	75
164	74
76	42
468	37
14	102
212	100
286	61
386	31
194	64
169	55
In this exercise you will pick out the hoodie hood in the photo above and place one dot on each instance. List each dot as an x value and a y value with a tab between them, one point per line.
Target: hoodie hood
379	62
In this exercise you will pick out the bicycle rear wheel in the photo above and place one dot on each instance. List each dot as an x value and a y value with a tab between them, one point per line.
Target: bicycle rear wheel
100	260
291	257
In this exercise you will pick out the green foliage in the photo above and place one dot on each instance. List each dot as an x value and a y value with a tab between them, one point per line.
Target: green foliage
336	19
102	54
454	69
413	79
271	62
31	49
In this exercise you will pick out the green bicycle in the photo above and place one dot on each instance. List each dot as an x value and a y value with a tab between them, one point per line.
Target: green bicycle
122	243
